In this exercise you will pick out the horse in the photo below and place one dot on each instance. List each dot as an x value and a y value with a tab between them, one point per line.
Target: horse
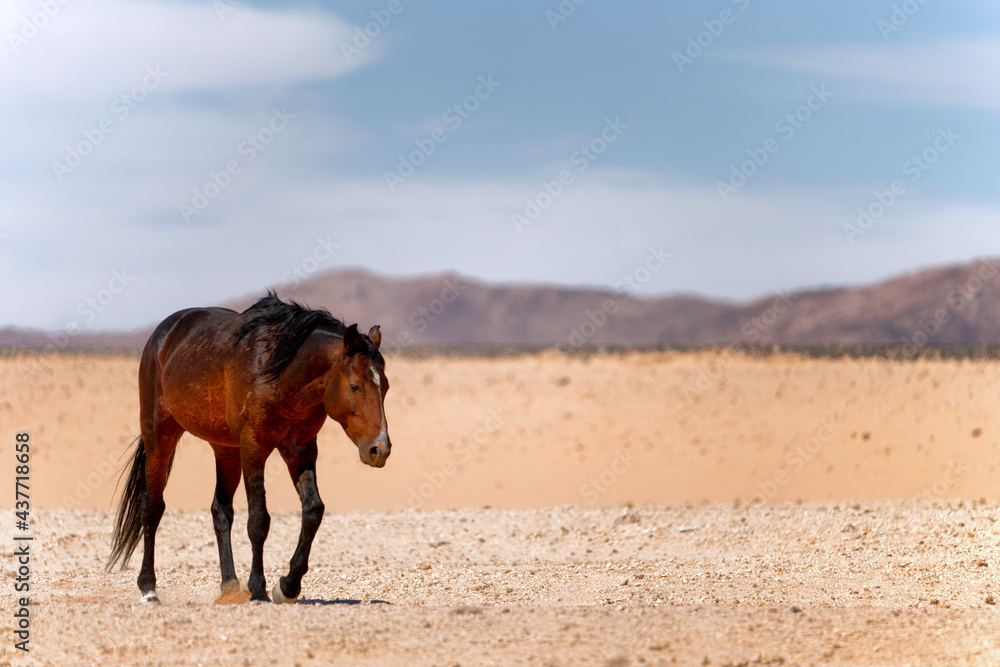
248	383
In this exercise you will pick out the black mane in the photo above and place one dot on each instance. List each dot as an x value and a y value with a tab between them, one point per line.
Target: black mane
287	326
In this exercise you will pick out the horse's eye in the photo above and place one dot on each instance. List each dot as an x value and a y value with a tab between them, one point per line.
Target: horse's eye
355	387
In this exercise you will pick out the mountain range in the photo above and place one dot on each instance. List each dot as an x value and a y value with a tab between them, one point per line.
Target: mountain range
955	304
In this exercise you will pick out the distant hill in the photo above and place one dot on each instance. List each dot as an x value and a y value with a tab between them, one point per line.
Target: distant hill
950	305
84	340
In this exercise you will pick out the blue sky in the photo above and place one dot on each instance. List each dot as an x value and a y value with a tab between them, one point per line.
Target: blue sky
227	144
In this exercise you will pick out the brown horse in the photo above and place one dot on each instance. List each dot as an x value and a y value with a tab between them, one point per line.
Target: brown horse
249	383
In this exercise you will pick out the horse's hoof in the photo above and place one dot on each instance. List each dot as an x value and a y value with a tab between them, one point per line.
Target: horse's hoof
278	597
231	586
232	593
149	598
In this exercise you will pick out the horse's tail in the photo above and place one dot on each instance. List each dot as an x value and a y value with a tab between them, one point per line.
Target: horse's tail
128	525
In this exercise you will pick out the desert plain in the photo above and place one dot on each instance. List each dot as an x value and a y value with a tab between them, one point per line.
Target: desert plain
621	508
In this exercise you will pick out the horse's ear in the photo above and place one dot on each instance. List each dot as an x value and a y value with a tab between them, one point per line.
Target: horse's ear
352	340
375	335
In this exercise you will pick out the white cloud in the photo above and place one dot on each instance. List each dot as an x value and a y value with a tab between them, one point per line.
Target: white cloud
599	229
63	83
93	49
964	73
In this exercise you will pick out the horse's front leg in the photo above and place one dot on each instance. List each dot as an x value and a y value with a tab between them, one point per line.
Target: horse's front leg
252	458
301	462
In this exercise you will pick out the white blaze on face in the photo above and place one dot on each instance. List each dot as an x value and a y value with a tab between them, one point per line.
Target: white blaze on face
383	436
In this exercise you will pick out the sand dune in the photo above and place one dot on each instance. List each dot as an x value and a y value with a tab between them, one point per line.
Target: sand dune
546	429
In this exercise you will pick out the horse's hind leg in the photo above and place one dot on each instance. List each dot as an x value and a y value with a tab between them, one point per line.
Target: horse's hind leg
227	478
301	462
252	458
160	447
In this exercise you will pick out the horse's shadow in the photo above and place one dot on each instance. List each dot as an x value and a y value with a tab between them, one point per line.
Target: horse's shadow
349	603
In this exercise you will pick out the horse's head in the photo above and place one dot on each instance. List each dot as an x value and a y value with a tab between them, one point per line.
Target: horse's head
355	397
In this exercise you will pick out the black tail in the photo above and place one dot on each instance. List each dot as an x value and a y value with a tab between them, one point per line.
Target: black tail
128	525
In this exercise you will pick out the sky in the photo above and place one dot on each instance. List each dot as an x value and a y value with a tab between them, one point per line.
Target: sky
161	154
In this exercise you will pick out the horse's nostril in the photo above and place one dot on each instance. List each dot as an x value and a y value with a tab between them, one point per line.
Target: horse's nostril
373	452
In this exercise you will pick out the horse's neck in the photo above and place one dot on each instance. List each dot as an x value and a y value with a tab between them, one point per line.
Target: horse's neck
318	360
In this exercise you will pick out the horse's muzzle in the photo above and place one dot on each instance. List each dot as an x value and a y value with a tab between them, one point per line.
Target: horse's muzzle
375	454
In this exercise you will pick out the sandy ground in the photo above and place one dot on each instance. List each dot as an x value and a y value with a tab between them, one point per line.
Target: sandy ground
787	511
886	583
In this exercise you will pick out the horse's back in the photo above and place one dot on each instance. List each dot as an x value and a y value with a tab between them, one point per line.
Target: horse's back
212	326
183	367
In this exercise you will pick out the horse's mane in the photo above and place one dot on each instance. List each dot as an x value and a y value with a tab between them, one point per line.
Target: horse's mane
287	326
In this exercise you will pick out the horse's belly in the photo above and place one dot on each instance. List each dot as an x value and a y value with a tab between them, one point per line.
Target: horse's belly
221	436
205	419
195	396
